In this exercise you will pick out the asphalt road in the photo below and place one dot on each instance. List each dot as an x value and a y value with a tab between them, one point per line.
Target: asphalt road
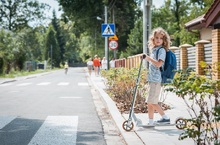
53	109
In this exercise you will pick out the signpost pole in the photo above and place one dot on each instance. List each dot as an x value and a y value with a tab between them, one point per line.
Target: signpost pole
106	42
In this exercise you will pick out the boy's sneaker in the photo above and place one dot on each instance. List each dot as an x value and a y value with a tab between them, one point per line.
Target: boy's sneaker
163	121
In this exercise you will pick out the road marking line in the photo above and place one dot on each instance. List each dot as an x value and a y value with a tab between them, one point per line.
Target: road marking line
24	84
6	84
4	120
44	84
69	97
57	130
63	84
83	84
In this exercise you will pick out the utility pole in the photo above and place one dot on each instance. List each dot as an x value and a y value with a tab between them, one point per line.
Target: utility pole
146	27
106	41
113	17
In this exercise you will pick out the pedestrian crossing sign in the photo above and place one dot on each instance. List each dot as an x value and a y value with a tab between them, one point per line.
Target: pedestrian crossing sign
108	30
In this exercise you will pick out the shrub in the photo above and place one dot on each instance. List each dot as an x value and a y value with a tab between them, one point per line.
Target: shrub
201	95
121	83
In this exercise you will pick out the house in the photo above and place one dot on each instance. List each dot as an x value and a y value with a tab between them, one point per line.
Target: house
209	28
206	22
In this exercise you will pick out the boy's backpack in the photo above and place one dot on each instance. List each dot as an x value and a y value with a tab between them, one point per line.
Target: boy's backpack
168	71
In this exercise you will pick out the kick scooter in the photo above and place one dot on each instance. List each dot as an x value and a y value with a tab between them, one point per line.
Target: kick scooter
128	125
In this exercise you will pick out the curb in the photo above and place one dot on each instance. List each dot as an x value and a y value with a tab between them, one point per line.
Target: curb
131	137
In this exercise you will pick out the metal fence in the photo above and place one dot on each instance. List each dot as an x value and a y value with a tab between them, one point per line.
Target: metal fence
132	61
208	53
177	53
191	57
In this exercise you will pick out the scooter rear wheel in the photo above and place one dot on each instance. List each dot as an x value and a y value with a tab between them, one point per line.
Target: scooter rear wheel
128	125
181	123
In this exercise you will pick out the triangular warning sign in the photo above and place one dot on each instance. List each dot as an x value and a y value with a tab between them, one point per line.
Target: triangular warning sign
108	31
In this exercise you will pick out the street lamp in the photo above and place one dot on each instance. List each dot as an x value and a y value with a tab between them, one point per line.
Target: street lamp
99	18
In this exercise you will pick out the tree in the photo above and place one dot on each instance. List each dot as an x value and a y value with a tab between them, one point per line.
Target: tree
16	14
84	14
52	51
135	39
72	43
6	50
60	38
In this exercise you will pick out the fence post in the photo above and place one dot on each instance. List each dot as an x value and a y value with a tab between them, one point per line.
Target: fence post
184	56
200	55
173	48
128	62
215	52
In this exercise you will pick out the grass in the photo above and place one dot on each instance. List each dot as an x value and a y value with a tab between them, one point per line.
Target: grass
14	74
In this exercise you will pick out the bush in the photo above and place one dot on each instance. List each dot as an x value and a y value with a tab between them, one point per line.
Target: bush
121	83
201	95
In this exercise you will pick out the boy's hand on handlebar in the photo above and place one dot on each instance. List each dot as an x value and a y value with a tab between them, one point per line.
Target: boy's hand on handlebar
143	56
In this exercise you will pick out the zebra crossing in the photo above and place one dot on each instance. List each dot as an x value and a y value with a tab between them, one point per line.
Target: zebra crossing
42	84
55	130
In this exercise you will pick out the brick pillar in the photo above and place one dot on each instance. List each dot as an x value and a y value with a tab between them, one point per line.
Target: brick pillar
215	52
200	55
184	56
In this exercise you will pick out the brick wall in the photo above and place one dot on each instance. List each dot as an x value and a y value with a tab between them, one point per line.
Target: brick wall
215	51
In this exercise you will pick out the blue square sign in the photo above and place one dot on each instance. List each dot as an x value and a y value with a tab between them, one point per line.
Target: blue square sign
108	30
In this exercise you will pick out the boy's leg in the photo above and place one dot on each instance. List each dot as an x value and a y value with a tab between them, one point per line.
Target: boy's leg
150	111
158	109
150	114
153	99
165	119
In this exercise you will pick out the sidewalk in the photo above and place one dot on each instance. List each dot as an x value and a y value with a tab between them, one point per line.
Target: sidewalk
167	135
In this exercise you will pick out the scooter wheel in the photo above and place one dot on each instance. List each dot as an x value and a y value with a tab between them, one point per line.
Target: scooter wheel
128	125
181	123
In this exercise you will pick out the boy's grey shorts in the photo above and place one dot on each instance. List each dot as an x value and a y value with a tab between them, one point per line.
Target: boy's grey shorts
154	93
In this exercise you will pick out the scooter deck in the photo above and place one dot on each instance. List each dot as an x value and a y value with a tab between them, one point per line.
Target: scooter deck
149	126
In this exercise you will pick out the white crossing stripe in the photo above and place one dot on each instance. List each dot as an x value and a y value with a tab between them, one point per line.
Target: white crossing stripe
57	130
63	84
6	84
70	97
43	83
83	84
24	84
4	120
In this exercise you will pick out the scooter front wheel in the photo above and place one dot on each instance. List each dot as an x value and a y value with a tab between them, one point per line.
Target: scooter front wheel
128	125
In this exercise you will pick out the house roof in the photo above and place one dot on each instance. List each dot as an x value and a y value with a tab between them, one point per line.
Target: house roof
207	19
196	23
213	13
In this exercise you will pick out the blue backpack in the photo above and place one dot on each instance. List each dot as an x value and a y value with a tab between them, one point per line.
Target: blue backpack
168	71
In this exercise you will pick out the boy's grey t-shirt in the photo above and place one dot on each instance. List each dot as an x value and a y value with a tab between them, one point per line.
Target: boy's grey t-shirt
154	73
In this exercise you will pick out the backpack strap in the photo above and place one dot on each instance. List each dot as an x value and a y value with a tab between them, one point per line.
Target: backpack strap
158	52
161	68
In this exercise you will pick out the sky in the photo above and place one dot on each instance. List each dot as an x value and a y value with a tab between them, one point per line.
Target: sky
158	3
55	5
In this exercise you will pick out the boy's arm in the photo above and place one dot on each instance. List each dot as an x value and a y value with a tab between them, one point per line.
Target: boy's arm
157	63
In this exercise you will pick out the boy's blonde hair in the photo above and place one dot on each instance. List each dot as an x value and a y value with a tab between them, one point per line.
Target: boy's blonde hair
166	38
